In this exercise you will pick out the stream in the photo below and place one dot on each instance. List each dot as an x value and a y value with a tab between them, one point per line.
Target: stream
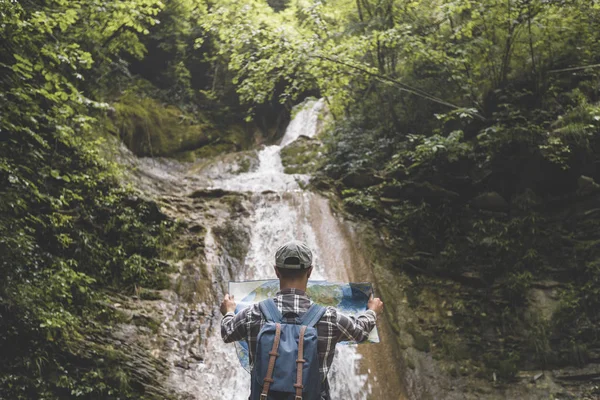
274	209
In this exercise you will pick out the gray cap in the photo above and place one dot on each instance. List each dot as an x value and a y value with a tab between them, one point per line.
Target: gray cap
293	255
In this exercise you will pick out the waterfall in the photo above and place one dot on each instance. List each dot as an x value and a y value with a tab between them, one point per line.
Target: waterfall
275	209
281	214
270	176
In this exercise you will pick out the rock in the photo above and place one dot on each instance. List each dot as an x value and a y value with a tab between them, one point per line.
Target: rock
197	228
182	364
362	179
490	201
209	193
586	185
196	356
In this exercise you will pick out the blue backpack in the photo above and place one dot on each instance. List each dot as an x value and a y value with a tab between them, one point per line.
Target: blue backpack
286	365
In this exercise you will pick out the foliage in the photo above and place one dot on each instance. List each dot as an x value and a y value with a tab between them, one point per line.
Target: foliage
152	129
480	117
68	232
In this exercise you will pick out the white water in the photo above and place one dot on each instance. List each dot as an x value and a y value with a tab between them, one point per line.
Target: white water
281	212
270	176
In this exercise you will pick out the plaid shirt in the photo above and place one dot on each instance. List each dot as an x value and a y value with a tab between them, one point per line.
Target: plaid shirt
332	328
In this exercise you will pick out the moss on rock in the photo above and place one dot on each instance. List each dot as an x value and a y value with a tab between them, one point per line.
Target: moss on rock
302	156
150	128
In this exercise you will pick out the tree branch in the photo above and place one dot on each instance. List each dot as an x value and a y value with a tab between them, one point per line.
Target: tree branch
403	86
574	68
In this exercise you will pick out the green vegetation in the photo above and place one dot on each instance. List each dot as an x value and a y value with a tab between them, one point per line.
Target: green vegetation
302	156
465	131
151	129
70	236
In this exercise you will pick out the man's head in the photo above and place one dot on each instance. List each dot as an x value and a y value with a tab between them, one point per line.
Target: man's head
293	261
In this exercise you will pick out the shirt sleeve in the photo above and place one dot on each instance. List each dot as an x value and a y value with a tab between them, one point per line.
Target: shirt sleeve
233	326
356	328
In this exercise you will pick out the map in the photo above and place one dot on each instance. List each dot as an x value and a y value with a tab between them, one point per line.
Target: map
349	298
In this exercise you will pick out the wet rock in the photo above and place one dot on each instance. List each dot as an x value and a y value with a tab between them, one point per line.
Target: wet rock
197	228
302	156
362	179
182	364
196	355
490	201
209	193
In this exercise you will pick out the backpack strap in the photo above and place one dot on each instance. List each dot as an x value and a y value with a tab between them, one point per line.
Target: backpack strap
272	356
313	315
270	310
300	364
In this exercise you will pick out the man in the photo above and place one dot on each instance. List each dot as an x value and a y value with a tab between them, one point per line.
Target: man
293	267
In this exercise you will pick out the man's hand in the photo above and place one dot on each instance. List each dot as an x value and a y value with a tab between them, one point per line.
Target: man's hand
228	305
375	304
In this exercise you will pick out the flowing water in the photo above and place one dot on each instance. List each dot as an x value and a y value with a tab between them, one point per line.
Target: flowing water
277	210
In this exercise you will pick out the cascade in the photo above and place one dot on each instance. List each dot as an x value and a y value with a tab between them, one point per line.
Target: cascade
202	366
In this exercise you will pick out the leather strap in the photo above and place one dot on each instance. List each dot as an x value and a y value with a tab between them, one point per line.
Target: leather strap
300	364
273	353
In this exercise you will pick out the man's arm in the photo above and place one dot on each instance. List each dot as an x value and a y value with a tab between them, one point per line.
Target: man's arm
233	327
358	328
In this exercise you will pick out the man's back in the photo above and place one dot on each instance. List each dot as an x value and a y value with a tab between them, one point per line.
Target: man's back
332	328
293	267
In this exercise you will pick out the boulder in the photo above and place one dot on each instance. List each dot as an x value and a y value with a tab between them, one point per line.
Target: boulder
490	201
362	179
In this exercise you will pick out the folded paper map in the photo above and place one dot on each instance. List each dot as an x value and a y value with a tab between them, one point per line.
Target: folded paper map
349	298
